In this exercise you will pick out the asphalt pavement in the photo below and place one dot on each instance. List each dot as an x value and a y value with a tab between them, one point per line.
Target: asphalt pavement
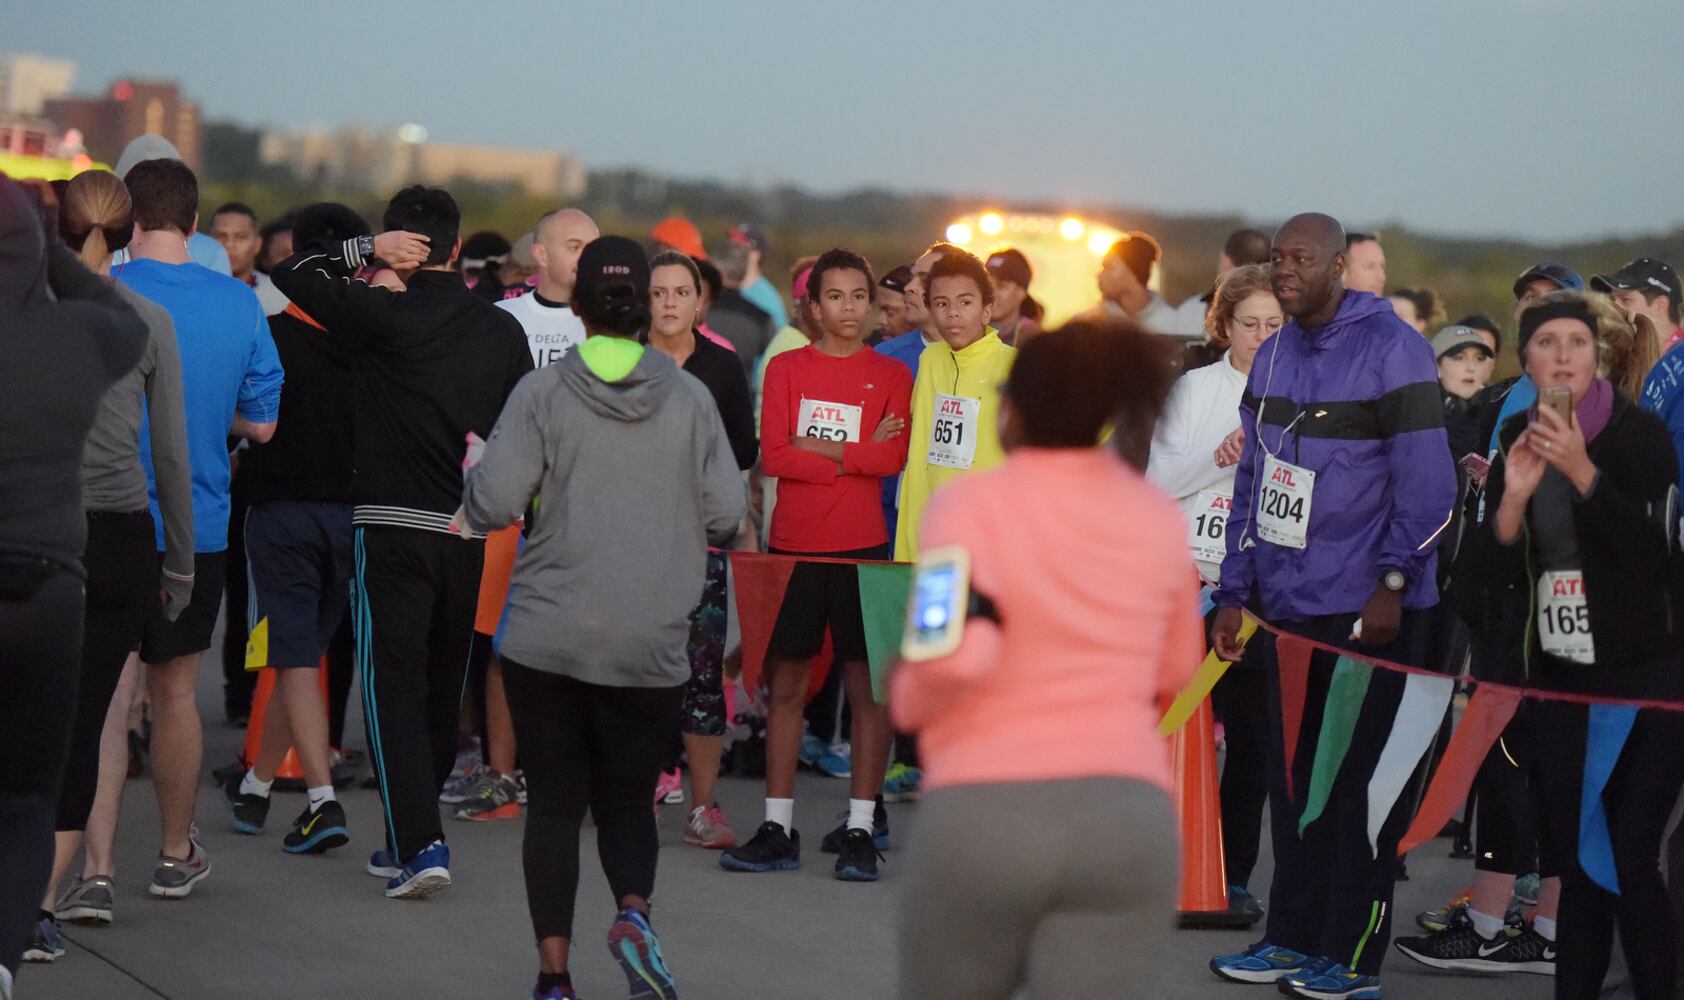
266	924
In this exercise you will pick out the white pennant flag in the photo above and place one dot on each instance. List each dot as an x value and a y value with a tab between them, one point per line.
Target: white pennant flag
1419	714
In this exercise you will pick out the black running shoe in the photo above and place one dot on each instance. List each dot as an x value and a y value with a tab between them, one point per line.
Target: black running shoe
318	830
857	861
1529	951
832	842
1461	949
770	850
247	812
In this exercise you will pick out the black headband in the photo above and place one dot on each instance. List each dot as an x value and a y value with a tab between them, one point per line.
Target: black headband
1537	316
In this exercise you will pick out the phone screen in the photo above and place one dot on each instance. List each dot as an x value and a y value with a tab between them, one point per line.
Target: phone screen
932	606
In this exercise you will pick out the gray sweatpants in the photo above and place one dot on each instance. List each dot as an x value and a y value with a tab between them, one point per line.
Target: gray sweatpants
1066	887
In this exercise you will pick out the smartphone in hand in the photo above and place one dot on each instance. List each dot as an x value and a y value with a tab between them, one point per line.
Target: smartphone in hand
1477	467
1559	399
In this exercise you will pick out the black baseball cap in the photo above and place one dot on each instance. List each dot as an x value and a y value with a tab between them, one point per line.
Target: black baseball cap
749	235
610	260
1560	275
897	279
1010	265
1645	274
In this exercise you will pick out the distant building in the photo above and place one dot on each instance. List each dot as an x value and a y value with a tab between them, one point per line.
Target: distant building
357	156
132	108
28	81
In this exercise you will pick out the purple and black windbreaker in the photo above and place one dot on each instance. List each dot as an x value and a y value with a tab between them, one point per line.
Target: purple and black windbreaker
1357	402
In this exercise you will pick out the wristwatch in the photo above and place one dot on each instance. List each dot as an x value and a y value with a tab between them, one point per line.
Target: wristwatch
365	249
1394	580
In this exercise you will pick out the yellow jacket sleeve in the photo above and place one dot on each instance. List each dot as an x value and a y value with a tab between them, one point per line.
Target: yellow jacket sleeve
915	481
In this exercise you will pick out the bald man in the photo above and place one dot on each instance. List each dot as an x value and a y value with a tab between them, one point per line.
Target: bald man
551	327
1341	492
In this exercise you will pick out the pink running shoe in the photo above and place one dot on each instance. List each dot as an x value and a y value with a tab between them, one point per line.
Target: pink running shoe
669	788
708	828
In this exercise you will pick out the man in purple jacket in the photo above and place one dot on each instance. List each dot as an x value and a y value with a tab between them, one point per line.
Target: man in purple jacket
1343	488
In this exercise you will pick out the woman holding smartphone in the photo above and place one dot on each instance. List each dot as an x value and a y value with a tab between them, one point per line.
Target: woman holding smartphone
1578	566
1041	726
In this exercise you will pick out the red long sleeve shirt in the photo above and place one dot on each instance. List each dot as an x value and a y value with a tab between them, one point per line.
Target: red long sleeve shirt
822	508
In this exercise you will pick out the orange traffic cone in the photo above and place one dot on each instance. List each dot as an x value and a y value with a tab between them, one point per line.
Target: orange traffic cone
1203	898
289	772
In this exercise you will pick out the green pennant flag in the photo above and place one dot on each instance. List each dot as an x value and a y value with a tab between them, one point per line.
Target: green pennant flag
1345	693
884	588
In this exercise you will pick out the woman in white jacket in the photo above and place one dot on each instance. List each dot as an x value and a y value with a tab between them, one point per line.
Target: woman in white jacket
1198	438
1194	450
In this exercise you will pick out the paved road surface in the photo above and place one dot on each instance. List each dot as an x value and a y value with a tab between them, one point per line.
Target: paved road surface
270	925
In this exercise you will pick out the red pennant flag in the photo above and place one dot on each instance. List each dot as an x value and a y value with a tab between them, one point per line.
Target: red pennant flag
1293	656
1487	715
759	581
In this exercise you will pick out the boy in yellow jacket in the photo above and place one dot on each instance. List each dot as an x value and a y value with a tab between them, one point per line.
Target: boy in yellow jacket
956	398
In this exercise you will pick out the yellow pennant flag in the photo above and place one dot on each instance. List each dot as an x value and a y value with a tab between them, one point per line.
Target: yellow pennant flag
1197	689
257	646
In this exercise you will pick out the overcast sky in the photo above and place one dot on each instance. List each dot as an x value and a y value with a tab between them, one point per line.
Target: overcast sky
1537	118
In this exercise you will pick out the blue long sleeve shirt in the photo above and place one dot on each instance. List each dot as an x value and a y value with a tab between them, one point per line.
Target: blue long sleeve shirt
228	366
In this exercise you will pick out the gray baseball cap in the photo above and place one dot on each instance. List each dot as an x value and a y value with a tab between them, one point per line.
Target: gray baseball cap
1453	338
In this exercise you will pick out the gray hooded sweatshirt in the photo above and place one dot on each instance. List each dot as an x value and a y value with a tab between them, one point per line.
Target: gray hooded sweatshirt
636	478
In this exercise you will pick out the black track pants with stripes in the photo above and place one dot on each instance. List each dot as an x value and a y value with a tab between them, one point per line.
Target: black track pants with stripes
413	599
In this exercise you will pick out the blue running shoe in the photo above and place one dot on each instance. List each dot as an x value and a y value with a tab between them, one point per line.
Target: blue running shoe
1314	966
1333	982
902	783
381	864
837	762
422	875
634	945
555	993
812	748
1260	963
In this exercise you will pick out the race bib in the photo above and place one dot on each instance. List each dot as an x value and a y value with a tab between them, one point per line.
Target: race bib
1283	503
953	431
1207	523
828	421
1563	617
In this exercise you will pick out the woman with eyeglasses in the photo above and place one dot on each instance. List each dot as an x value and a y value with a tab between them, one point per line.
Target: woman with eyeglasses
1194	451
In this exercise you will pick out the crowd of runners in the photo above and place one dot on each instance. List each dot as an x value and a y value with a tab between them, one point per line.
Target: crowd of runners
491	485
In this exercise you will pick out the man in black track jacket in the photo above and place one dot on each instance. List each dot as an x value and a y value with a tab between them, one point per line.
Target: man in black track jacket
434	365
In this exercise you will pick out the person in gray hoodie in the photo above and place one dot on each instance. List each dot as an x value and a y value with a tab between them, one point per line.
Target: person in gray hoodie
626	461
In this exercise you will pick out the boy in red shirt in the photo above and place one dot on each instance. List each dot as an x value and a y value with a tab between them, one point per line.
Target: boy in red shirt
833	425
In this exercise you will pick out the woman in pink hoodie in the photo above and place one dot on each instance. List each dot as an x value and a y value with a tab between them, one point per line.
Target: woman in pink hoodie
1046	854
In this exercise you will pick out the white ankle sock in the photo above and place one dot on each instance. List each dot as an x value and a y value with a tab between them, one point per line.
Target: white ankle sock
1484	924
249	785
320	794
1545	926
860	812
781	812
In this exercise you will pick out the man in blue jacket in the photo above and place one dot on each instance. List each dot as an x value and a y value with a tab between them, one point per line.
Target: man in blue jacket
1343	488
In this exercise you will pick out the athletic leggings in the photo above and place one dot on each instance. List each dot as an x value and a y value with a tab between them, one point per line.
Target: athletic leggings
1638	801
122	563
41	612
1081	915
587	745
1241	702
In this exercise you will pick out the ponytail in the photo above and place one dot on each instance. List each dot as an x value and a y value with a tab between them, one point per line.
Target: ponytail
93	252
614	308
96	218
